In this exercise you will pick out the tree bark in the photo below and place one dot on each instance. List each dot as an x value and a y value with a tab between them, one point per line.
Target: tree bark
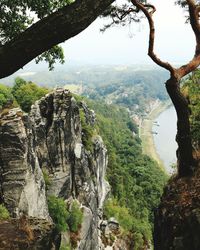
52	30
185	160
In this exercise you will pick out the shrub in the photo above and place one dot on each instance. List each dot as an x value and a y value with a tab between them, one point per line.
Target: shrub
58	212
121	213
87	130
66	247
26	93
4	214
47	179
75	217
5	95
138	241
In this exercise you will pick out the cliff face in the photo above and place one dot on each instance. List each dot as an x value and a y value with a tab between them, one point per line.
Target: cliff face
50	139
22	185
177	220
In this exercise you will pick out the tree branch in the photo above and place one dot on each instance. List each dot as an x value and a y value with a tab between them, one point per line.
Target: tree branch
52	30
194	10
144	8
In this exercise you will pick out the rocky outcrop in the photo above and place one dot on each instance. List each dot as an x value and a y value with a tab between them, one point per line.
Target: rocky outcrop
177	220
22	187
29	234
50	139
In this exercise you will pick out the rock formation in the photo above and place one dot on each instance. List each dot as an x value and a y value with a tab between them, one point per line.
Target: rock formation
22	185
50	139
177	220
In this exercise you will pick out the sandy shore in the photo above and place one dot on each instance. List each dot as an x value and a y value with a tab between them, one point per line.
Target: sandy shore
146	133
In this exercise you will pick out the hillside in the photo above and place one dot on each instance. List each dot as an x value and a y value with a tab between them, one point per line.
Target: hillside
130	86
136	180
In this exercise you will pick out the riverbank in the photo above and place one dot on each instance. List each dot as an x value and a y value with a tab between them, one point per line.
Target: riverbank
146	135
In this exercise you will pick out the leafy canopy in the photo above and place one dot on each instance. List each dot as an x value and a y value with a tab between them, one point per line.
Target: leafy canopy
5	95
26	93
191	89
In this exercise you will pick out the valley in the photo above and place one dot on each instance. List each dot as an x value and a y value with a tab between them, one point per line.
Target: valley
132	173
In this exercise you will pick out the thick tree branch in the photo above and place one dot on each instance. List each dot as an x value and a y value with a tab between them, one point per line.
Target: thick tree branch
52	30
194	10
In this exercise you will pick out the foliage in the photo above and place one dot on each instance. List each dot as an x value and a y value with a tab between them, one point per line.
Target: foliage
51	55
65	219
26	93
4	214
75	217
47	179
5	95
58	212
66	247
191	89
138	241
19	82
22	93
121	213
87	131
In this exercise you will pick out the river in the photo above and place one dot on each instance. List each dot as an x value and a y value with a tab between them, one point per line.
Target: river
164	132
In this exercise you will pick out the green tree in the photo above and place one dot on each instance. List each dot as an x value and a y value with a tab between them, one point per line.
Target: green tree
26	93
5	95
18	83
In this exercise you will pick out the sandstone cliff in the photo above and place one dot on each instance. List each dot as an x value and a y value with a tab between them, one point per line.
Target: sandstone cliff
50	139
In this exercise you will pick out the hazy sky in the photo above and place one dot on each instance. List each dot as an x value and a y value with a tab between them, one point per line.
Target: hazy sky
128	45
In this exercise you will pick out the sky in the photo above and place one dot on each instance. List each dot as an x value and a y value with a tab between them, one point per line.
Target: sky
128	45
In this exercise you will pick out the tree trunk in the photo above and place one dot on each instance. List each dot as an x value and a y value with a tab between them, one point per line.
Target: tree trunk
185	160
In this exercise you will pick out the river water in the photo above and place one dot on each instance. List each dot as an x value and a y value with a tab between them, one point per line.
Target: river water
164	132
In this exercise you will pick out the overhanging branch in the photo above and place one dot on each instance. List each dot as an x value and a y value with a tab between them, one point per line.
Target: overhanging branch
194	10
52	30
